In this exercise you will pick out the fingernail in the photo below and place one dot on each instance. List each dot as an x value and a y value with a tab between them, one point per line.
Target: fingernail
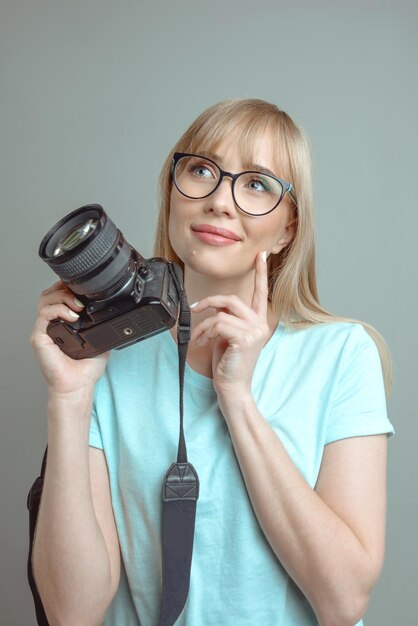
73	313
77	302
264	255
193	305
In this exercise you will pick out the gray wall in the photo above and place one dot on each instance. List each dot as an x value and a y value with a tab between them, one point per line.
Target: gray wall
94	94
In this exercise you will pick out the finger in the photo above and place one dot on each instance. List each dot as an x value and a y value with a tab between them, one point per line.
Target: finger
233	337
234	330
51	312
232	304
60	295
259	301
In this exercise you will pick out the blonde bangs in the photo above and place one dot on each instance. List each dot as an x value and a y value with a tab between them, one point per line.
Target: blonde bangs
242	126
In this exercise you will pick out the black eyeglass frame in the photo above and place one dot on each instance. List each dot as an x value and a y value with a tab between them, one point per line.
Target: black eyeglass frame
286	186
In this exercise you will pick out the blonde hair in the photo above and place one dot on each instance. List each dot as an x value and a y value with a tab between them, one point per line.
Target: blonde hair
292	279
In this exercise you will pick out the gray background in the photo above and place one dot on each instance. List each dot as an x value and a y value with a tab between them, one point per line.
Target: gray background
95	93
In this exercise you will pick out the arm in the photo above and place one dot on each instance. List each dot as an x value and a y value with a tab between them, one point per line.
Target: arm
76	552
331	539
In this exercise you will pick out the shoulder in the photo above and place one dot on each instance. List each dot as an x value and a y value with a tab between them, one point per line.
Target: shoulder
317	354
328	349
330	336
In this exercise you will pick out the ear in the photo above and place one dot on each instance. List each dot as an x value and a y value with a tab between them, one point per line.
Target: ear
287	236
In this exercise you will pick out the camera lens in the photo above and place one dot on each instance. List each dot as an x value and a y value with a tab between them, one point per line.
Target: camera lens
76	236
88	252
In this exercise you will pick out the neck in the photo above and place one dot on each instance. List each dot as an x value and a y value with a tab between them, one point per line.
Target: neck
198	286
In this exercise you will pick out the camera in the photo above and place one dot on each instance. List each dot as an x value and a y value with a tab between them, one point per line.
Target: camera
127	298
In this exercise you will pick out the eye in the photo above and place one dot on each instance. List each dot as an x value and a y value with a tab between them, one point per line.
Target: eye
259	184
201	170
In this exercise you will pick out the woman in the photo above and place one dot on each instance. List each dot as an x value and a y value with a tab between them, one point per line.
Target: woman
291	514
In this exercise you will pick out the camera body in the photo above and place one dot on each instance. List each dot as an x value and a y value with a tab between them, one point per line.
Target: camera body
149	309
127	298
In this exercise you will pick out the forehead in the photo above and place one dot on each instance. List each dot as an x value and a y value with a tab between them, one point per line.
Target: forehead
233	153
254	149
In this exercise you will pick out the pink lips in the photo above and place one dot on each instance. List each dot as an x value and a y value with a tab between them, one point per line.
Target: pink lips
221	232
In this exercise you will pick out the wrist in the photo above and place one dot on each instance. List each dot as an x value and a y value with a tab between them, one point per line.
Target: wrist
234	401
82	397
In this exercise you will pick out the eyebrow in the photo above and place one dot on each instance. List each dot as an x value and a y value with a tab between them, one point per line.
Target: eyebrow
248	166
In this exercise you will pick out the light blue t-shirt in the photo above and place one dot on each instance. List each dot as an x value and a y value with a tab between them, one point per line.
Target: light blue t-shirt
313	386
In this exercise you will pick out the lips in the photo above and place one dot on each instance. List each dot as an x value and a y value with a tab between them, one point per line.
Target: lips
222	232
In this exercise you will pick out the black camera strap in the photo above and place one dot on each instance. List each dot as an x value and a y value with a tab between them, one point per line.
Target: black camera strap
33	504
180	494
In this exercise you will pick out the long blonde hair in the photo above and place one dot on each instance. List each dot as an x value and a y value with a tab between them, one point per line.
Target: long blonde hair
292	278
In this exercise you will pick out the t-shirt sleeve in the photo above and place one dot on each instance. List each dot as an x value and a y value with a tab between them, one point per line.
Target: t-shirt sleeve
95	436
358	406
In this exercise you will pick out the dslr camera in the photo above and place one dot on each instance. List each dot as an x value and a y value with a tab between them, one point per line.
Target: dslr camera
127	298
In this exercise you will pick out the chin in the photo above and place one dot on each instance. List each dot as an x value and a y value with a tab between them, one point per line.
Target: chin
208	265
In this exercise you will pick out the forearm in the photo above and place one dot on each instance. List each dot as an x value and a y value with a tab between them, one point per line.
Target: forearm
317	548
71	562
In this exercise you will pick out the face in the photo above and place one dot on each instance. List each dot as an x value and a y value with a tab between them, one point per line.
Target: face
228	258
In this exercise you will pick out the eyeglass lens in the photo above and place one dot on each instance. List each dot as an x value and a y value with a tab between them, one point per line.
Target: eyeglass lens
254	192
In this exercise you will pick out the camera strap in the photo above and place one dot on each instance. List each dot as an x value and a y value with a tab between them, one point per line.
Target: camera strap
180	494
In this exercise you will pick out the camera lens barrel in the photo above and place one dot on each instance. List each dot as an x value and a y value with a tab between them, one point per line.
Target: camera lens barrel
88	252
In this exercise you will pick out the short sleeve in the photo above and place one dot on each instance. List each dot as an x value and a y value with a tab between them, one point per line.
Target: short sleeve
358	405
95	436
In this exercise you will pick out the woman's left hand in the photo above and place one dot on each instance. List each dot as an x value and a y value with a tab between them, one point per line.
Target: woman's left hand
240	332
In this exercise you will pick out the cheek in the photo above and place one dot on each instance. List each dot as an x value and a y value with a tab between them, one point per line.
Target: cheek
176	221
173	218
268	230
178	212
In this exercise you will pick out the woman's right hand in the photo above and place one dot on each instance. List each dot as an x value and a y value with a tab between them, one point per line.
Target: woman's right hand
63	374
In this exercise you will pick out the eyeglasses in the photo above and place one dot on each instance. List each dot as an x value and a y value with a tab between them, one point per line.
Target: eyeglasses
253	192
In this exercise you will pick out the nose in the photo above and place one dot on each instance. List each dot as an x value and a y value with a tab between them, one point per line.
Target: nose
222	200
